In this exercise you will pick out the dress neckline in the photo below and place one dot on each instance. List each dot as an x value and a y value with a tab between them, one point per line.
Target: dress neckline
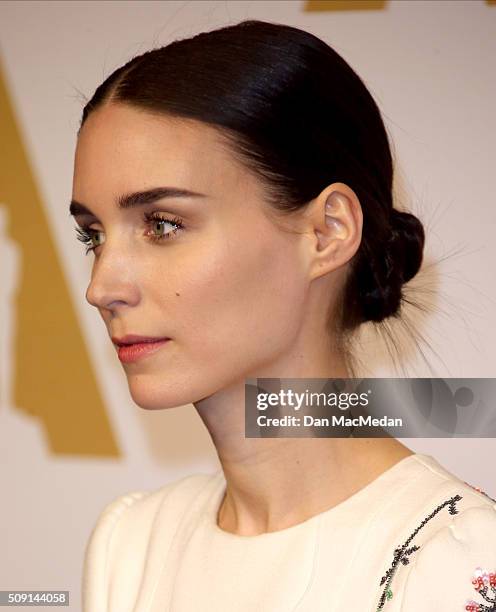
382	482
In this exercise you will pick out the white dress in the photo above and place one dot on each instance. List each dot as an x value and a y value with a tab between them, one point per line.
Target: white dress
416	539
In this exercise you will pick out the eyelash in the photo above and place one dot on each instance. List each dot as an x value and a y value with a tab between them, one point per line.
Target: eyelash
85	234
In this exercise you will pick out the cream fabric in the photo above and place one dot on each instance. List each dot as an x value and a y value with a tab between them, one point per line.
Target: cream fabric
162	551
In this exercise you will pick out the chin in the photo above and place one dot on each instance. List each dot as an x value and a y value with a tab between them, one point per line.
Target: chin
148	398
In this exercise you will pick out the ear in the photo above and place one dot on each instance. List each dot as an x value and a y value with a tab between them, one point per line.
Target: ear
335	222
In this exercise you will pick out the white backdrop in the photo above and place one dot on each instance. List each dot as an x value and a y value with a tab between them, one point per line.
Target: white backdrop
430	66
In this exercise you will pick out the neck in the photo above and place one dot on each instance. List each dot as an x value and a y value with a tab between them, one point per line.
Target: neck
274	483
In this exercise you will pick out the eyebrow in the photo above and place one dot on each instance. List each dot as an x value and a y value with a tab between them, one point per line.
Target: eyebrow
138	198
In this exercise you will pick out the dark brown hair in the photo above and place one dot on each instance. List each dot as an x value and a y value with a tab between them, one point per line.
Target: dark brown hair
298	116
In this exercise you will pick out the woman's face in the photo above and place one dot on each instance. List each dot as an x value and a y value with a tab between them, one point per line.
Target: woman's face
227	288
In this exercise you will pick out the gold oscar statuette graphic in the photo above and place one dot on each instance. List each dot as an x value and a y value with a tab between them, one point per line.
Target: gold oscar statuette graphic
53	378
344	5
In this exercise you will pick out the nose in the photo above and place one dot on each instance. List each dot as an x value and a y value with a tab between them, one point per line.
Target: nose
112	284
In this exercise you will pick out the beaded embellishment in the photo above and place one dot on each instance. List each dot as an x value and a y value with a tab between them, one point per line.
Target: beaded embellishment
402	553
485	584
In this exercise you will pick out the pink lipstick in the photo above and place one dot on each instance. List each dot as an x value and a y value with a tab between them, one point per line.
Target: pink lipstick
132	348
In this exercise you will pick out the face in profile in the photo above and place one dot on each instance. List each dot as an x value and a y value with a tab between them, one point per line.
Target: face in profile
213	273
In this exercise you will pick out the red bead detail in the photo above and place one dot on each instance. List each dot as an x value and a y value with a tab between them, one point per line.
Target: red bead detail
478	583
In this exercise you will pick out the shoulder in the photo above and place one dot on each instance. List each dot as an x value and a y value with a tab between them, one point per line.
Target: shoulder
448	562
119	539
137	508
455	569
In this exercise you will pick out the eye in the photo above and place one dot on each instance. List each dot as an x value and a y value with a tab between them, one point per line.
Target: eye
158	223
87	235
157	230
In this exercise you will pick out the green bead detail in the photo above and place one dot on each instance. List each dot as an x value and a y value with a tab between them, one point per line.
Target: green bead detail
389	594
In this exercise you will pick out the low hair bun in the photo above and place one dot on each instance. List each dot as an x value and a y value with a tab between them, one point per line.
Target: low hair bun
407	242
382	272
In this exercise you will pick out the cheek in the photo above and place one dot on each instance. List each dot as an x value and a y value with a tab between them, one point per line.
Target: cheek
243	300
230	306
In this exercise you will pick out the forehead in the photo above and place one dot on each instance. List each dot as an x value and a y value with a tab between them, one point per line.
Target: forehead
121	148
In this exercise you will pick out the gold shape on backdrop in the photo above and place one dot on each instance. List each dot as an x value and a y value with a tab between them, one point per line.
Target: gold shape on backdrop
491	2
53	377
344	5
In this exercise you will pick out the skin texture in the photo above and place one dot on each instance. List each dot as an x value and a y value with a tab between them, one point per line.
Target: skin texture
239	292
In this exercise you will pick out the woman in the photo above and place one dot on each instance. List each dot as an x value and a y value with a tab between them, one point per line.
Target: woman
235	189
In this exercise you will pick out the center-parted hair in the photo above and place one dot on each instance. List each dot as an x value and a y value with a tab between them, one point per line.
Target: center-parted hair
300	118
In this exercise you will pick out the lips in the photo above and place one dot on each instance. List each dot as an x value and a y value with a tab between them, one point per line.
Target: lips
129	353
134	339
